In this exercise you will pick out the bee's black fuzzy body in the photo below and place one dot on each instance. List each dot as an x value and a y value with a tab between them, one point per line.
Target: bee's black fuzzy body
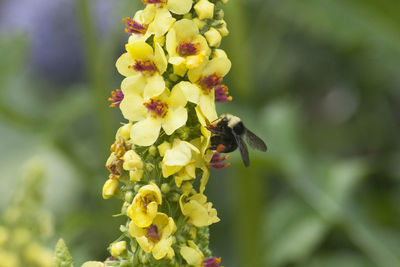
229	132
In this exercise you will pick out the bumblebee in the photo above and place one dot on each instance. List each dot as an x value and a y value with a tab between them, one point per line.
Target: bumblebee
229	132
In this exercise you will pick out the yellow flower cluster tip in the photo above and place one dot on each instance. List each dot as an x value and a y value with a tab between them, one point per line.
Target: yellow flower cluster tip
159	165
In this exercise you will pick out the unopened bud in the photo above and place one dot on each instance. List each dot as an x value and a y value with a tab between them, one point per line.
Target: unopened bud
118	248
129	196
165	188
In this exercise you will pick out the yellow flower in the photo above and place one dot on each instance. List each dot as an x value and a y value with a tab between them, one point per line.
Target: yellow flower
185	45
134	164
146	65
199	211
151	20
118	248
166	110
203	81
194	257
213	37
204	9
157	237
93	264
145	205
178	7
110	188
179	161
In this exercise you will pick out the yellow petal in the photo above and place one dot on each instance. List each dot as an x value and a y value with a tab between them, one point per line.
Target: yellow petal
140	51
186	30
195	74
171	43
180	69
134	84
177	98
204	179
123	63
110	188
207	105
145	244
161	249
132	108
191	256
155	86
145	132
180	7
190	90
169	170
162	22
153	190
219	65
174	120
146	15
176	60
159	59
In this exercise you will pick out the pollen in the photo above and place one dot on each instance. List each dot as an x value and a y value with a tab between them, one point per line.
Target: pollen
157	108
210	81
145	67
116	97
221	94
134	26
185	49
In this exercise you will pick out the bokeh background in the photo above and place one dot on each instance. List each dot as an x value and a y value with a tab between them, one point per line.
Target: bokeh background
317	80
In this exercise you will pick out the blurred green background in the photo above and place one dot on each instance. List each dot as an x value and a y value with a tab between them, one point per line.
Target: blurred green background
318	80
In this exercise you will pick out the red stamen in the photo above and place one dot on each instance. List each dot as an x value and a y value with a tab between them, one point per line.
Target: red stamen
145	67
221	94
211	262
157	108
187	49
134	27
216	159
116	97
152	233
209	82
154	1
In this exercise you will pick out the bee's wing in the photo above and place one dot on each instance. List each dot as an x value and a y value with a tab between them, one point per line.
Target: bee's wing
254	141
243	150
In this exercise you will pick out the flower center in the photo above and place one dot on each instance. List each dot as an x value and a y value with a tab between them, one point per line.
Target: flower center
157	108
221	94
210	81
187	49
152	233
211	262
134	27
146	67
154	1
116	97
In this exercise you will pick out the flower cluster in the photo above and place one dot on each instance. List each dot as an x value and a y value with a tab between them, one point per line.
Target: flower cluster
160	160
24	225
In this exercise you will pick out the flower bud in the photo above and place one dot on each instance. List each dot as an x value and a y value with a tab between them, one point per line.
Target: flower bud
110	188
213	37
118	248
173	197
199	23
153	150
132	160
222	28
124	131
93	264
204	9
149	166
219	14
136	175
129	196
163	147
165	188
137	188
